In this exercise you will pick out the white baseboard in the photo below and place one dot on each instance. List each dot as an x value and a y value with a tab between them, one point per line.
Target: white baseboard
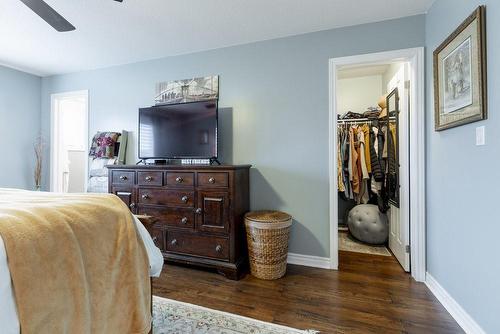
457	312
309	261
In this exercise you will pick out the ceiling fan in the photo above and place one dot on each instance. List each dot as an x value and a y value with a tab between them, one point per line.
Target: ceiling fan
47	13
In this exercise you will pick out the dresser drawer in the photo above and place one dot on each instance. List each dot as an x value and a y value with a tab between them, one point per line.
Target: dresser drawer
150	178
177	198
213	179
174	217
180	179
157	235
123	177
199	245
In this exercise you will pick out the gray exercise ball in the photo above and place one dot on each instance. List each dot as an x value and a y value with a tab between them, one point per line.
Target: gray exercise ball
366	223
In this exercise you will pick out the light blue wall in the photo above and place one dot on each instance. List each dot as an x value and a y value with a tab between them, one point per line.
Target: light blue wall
463	225
19	126
276	95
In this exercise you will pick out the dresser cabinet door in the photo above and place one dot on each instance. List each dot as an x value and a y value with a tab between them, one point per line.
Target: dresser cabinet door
212	212
127	195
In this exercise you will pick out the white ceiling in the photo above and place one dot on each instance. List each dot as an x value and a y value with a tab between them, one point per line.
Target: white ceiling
111	33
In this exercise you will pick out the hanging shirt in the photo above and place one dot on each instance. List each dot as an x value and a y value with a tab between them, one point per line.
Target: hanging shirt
377	173
363	191
366	131
346	153
340	169
362	155
354	161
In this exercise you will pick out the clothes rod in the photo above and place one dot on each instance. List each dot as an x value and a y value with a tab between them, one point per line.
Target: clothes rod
363	120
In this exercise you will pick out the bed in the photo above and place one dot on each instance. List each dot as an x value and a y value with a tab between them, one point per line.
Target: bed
99	281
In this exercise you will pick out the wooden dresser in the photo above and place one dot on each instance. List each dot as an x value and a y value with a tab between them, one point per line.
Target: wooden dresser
198	211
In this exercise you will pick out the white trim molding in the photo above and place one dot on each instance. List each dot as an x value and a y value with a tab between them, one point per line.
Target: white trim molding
415	58
468	324
309	261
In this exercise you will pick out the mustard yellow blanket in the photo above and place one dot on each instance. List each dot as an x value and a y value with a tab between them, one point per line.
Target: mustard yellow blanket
77	263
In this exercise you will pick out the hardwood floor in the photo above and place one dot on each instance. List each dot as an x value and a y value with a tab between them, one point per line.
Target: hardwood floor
370	294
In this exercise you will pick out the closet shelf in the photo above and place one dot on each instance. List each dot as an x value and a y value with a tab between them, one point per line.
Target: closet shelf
362	120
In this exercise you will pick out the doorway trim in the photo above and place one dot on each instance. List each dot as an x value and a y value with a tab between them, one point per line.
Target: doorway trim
415	57
53	146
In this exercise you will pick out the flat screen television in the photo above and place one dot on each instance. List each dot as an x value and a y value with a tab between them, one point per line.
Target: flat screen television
179	131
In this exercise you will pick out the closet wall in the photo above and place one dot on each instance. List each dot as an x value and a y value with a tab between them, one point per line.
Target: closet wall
357	93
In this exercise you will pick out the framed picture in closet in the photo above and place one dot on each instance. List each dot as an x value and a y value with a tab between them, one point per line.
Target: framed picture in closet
460	74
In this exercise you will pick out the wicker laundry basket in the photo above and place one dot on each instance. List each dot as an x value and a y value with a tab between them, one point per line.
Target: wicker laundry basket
267	236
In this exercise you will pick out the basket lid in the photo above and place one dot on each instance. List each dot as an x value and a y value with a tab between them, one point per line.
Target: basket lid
268	216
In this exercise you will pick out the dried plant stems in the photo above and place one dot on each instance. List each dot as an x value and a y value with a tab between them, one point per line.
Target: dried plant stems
38	146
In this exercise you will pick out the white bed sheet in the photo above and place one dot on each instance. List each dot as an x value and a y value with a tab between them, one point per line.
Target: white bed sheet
9	322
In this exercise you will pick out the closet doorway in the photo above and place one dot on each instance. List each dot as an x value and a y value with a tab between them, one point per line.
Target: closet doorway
376	134
69	142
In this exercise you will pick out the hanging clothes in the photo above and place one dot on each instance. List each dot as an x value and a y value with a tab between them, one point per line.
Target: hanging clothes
367	165
340	169
376	166
363	196
346	152
354	173
366	131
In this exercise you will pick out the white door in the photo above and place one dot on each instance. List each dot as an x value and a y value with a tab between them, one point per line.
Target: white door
69	142
399	218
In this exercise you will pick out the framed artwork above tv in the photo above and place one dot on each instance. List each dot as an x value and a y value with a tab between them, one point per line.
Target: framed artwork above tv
187	90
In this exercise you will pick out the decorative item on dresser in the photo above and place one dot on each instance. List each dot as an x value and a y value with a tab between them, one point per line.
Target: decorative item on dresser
198	211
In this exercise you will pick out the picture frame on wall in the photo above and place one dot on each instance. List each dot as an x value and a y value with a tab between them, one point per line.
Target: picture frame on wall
460	85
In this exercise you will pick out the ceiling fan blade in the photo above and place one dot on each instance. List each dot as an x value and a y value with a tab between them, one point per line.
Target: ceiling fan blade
47	13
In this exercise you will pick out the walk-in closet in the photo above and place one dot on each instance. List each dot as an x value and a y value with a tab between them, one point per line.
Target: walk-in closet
372	159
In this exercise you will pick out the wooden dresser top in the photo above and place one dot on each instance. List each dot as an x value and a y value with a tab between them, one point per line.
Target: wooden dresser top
179	167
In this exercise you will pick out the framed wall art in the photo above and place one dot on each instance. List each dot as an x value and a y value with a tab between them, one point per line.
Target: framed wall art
460	84
187	90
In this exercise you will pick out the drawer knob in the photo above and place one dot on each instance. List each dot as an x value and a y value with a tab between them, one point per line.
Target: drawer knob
184	199
198	211
132	205
179	179
123	177
184	220
218	249
145	196
174	242
149	178
211	180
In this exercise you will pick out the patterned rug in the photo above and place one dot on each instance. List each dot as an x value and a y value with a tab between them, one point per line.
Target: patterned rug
349	244
173	317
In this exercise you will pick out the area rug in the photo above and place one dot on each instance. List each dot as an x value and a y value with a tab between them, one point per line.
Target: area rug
170	316
349	244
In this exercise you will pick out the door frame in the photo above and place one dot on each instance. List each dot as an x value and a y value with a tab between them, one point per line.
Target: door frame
415	58
53	145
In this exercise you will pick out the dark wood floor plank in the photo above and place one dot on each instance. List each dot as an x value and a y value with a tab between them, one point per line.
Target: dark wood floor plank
369	294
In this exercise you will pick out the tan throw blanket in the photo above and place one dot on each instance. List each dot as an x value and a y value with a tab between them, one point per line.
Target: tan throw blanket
77	263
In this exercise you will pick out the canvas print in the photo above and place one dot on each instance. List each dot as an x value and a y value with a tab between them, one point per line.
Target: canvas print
460	84
187	90
457	78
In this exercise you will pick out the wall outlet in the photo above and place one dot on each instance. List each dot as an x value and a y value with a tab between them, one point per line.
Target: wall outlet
480	136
